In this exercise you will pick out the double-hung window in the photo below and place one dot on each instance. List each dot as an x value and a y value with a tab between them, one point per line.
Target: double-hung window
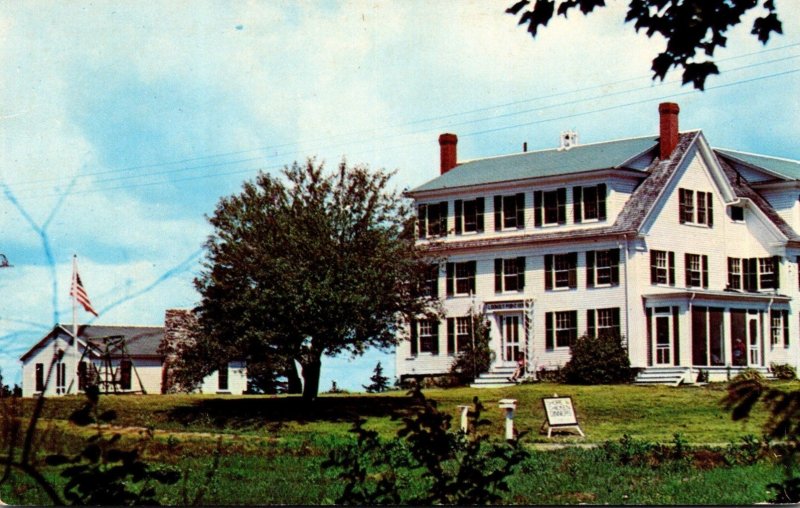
779	327
561	271
461	278
734	273
550	207
696	270
662	267
459	334
589	203
432	219
469	216
561	329
602	268
425	336
509	212
603	322
509	274
699	211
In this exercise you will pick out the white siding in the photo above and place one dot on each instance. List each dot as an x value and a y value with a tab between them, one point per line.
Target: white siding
237	380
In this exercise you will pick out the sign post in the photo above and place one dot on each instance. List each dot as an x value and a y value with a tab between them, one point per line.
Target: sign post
560	415
509	405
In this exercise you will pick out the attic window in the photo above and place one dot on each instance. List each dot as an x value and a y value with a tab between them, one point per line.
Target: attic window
737	214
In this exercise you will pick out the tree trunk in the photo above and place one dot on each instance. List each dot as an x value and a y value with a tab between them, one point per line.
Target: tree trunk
311	371
293	378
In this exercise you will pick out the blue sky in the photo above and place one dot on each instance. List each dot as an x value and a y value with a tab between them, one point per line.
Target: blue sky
123	123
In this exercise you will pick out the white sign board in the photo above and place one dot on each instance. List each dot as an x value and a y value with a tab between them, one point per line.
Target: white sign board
559	411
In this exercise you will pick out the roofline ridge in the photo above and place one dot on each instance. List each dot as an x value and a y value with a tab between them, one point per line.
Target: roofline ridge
631	138
784	159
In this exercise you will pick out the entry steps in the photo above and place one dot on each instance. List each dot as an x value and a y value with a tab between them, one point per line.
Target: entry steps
497	377
674	376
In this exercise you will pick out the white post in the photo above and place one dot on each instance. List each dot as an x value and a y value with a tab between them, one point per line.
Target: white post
509	405
464	412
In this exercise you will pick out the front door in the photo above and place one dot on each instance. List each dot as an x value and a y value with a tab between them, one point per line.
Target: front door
663	348
753	341
511	334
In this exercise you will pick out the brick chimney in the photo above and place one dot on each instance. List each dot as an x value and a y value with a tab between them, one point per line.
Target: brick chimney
668	116
447	145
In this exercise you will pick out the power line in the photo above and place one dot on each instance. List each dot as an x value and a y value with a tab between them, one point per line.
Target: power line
419	121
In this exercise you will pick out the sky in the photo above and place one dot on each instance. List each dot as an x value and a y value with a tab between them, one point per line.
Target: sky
123	123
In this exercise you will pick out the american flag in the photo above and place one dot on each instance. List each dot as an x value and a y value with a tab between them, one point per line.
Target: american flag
79	293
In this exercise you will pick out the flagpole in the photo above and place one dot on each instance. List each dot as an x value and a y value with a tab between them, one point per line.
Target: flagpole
74	319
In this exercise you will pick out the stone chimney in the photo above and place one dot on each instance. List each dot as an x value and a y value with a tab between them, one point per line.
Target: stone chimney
447	145
668	134
179	325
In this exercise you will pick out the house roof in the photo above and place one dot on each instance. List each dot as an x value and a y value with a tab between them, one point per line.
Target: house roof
629	221
782	167
140	341
543	163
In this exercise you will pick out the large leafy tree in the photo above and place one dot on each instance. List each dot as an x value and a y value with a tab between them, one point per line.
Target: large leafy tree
310	264
691	28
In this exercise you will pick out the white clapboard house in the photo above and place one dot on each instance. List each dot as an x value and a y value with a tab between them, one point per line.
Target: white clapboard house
688	252
120	359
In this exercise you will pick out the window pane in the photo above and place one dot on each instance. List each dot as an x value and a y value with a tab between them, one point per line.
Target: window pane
551	207
590	202
509	212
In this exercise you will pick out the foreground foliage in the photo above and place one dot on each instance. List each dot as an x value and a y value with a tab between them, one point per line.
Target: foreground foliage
690	28
428	463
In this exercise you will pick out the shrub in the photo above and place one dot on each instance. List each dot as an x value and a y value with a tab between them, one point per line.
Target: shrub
748	374
476	356
597	360
783	371
702	376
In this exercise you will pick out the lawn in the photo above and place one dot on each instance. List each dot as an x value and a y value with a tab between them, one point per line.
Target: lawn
270	449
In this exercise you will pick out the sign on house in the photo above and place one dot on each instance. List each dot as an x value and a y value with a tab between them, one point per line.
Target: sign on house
560	414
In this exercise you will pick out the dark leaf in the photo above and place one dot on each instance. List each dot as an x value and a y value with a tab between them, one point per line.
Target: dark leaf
108	416
56	460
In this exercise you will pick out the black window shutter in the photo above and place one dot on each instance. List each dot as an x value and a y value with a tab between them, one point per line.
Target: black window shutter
435	341
458	206
577	198
498	213
479	209
443	218
451	337
785	328
589	268
573	270
537	208
615	317
671	268
562	205
601	201
710	209
422	219
681	205
521	273
473	268
590	326
753	275
705	271
686	272
676	335
549	332
614	255
451	275
435	280
653	268
798	271
520	210
776	270
413	337
498	275
548	271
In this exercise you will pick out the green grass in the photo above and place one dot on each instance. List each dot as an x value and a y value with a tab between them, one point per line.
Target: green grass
272	448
